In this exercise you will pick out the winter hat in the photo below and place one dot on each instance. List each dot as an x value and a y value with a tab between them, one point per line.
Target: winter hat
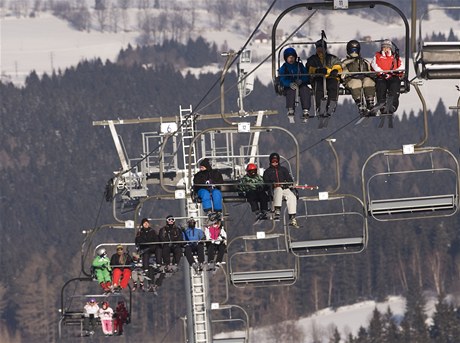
119	246
321	44
386	44
290	52
145	220
205	163
169	217
274	156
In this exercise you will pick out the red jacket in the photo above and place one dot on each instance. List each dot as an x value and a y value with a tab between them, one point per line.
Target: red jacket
383	62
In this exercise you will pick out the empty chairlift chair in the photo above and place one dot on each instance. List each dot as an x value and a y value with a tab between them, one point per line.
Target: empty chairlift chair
261	260
333	225
422	183
437	60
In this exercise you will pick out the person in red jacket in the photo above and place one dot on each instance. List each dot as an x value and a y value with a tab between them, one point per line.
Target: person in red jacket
121	318
390	70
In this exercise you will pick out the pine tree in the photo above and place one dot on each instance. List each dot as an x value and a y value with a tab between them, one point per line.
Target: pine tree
445	322
375	326
413	324
391	332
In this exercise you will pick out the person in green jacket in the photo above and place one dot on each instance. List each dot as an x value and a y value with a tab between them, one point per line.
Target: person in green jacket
252	184
102	269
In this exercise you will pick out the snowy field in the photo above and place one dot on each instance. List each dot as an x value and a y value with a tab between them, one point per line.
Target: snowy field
46	43
347	319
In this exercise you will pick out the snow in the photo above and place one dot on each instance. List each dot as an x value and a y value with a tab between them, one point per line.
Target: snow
347	319
46	43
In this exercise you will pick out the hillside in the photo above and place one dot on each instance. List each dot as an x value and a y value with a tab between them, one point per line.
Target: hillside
55	166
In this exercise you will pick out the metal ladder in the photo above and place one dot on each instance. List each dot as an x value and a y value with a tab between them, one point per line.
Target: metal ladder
200	313
187	128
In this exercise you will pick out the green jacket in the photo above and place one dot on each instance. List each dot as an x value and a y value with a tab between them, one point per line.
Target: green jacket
102	268
248	183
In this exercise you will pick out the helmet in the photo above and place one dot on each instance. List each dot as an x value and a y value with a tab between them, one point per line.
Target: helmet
191	221
251	166
289	52
274	156
321	44
101	252
353	46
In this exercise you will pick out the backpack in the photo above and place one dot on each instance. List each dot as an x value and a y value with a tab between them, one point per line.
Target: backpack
278	88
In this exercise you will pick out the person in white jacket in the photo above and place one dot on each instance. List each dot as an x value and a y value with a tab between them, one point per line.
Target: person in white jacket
106	315
218	237
90	313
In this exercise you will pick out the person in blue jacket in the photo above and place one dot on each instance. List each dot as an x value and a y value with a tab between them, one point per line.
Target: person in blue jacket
194	237
294	79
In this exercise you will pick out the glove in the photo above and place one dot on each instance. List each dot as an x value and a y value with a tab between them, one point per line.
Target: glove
298	81
321	71
388	76
334	73
293	86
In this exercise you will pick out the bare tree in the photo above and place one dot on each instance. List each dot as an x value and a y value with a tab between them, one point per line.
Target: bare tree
124	5
101	14
114	15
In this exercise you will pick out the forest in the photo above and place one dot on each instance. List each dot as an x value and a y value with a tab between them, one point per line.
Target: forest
55	166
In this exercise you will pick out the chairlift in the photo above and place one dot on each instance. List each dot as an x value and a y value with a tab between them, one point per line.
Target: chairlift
72	316
411	183
331	224
229	317
334	5
261	260
436	60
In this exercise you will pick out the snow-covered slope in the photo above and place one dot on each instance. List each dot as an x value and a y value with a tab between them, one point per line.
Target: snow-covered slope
46	43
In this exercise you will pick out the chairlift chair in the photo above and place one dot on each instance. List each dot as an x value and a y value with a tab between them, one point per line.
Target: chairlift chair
394	190
436	60
261	260
331	224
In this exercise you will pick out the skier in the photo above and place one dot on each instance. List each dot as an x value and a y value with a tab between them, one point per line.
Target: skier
356	82
106	315
328	66
90	312
255	191
206	184
102	269
121	263
217	236
281	180
390	68
194	237
121	317
169	234
294	79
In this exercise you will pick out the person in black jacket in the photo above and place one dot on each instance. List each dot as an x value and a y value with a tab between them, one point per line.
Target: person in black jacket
281	180
206	184
325	65
144	239
169	234
121	263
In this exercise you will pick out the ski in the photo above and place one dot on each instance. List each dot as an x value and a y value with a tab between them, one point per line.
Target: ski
323	121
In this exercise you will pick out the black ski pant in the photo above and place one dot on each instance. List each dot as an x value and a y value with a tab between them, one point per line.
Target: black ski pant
256	197
198	249
388	87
